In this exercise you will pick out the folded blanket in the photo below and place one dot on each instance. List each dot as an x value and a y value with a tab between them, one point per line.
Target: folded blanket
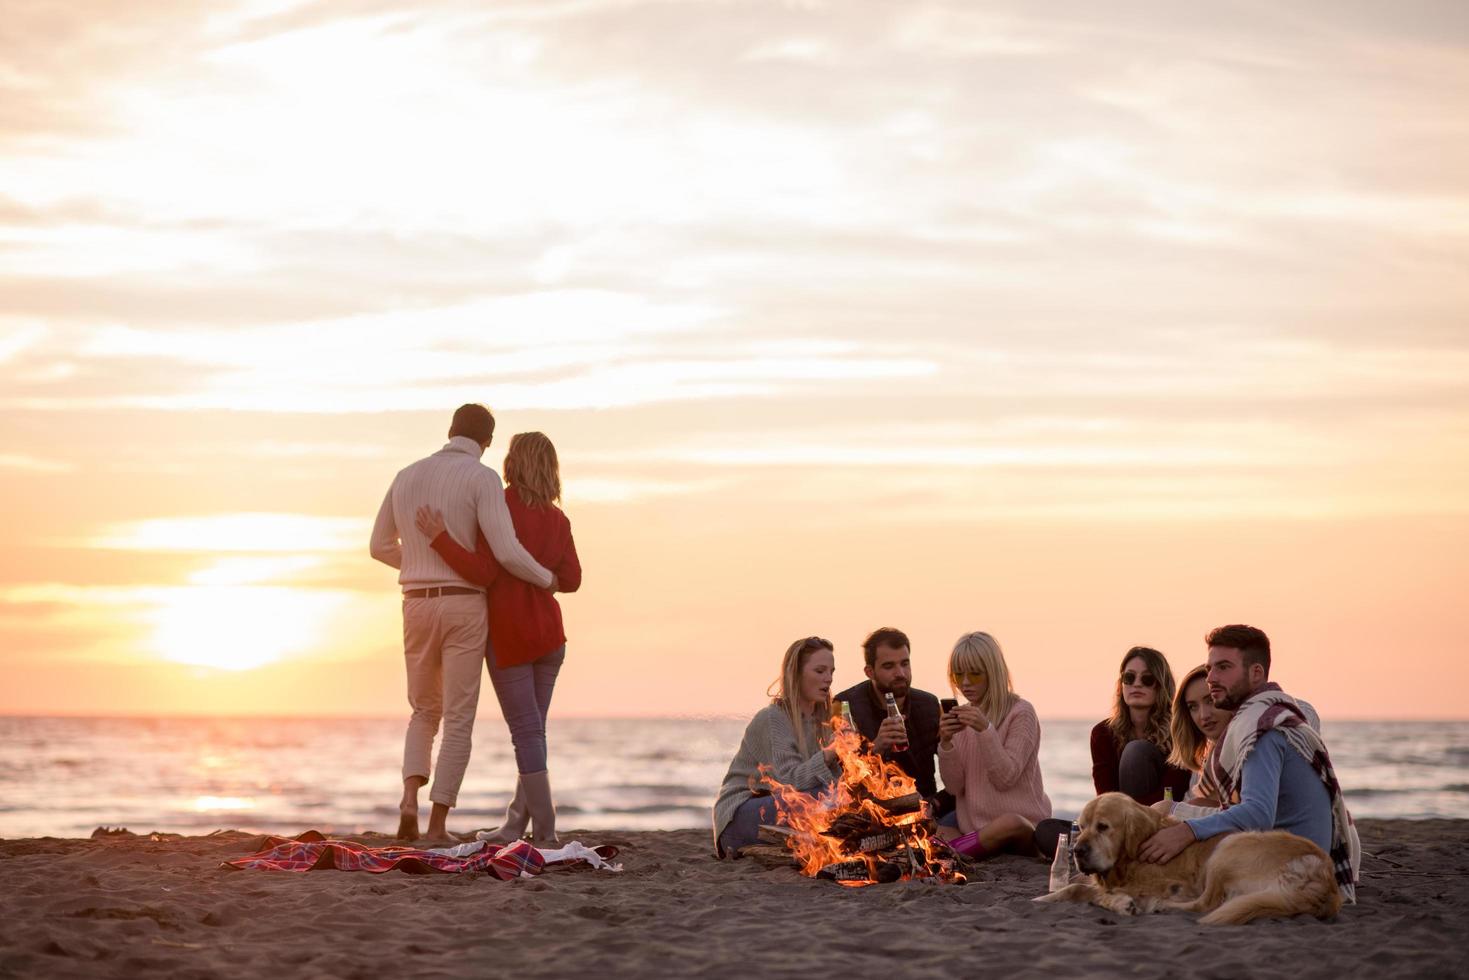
313	852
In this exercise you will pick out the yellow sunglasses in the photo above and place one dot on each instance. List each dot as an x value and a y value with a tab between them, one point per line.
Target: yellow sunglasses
966	678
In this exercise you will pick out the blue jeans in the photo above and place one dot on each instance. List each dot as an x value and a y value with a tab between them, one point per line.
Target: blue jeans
744	829
524	692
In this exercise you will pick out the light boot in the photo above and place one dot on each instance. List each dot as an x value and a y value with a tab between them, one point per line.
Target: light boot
516	817
537	786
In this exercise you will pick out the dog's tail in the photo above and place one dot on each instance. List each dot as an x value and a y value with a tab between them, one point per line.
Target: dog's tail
1306	885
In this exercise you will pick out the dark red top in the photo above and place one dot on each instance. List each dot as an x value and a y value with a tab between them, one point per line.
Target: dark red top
1105	759
525	620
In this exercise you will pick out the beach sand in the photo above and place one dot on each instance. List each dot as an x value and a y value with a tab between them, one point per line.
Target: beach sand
127	906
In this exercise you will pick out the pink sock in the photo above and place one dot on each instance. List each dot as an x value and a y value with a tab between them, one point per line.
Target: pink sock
969	845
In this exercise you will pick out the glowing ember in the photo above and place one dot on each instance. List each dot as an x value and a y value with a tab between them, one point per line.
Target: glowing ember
870	827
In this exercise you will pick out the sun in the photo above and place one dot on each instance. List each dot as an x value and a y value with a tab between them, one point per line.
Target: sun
239	627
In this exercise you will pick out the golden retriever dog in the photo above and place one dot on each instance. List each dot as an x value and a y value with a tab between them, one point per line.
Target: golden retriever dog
1234	877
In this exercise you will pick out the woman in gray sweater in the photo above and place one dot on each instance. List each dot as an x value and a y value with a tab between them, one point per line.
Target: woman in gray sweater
787	737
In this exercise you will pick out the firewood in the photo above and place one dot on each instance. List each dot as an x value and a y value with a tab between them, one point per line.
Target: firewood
775	836
768	856
901	804
881	841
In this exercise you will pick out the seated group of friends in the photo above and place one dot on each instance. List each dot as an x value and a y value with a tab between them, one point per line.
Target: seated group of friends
1222	750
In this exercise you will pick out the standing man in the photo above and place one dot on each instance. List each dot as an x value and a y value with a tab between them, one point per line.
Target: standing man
1271	766
445	624
888	670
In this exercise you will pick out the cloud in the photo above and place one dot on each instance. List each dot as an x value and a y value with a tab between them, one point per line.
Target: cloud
240	532
34	464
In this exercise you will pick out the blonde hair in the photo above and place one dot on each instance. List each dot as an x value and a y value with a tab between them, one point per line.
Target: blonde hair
1159	715
979	652
1189	744
789	684
532	469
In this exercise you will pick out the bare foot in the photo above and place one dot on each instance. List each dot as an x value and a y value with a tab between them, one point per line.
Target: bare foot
407	823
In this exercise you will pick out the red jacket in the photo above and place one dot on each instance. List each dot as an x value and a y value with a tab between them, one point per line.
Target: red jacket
525	620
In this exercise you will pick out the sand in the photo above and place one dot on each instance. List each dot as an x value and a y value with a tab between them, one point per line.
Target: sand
131	906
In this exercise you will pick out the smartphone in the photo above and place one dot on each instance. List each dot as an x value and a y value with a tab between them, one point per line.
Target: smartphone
948	704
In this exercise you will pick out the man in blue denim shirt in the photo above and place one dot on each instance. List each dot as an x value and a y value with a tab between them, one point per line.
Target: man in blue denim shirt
1279	789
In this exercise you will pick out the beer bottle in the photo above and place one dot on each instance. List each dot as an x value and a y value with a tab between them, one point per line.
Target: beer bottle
1061	863
893	712
847	715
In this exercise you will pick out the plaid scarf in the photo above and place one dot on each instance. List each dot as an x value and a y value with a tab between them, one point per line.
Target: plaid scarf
313	852
1271	709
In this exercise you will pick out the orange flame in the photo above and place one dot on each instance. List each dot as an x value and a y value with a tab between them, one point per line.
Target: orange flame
866	777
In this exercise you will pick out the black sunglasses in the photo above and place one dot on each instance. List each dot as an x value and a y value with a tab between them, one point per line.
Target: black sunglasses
1130	678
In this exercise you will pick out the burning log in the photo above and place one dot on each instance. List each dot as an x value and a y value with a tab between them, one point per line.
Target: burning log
859	872
776	836
908	803
768	856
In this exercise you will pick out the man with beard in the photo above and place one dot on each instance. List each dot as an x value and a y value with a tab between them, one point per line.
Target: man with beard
888	670
1271	766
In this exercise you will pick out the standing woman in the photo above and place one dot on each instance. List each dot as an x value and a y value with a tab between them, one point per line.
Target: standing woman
788	738
527	639
989	753
1130	750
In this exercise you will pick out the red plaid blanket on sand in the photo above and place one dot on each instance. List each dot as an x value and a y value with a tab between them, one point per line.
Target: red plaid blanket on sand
313	852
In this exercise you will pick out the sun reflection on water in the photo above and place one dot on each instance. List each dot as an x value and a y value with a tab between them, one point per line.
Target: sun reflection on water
214	804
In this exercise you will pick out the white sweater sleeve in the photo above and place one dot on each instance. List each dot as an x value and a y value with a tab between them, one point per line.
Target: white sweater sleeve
499	531
384	544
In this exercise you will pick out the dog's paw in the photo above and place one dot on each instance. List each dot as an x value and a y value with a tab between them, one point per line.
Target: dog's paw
1121	904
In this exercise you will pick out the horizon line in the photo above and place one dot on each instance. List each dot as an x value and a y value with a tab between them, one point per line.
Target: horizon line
714	716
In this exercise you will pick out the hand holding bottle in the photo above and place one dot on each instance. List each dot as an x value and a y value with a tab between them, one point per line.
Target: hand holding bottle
890	734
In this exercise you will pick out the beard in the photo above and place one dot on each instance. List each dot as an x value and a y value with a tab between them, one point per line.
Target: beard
898	689
1232	697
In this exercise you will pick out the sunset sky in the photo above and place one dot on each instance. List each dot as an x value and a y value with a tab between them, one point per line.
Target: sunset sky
1087	325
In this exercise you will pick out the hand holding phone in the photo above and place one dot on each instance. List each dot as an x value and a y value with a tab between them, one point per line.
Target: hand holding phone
948	704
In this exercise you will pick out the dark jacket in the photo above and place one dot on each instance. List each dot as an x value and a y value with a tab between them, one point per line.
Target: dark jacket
922	720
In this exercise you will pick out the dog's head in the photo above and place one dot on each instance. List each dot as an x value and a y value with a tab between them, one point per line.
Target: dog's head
1113	828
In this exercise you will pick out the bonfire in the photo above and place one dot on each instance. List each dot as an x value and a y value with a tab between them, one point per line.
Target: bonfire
870	827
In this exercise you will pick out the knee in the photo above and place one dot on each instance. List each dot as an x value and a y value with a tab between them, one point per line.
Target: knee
1014	825
526	727
1140	756
1141	750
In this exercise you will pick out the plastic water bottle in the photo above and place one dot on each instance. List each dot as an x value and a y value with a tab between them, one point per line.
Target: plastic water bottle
1061	863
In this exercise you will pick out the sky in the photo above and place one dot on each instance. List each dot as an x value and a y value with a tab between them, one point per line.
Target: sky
1088	326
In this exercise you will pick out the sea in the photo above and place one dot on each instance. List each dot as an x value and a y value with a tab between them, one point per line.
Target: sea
64	777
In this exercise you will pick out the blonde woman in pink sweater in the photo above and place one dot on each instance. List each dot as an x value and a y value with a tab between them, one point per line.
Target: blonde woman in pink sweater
988	754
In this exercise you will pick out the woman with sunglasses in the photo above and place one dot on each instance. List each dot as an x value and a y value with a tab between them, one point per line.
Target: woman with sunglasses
788	738
988	753
1197	725
1130	749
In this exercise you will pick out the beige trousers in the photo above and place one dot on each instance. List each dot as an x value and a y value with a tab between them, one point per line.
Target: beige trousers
444	642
